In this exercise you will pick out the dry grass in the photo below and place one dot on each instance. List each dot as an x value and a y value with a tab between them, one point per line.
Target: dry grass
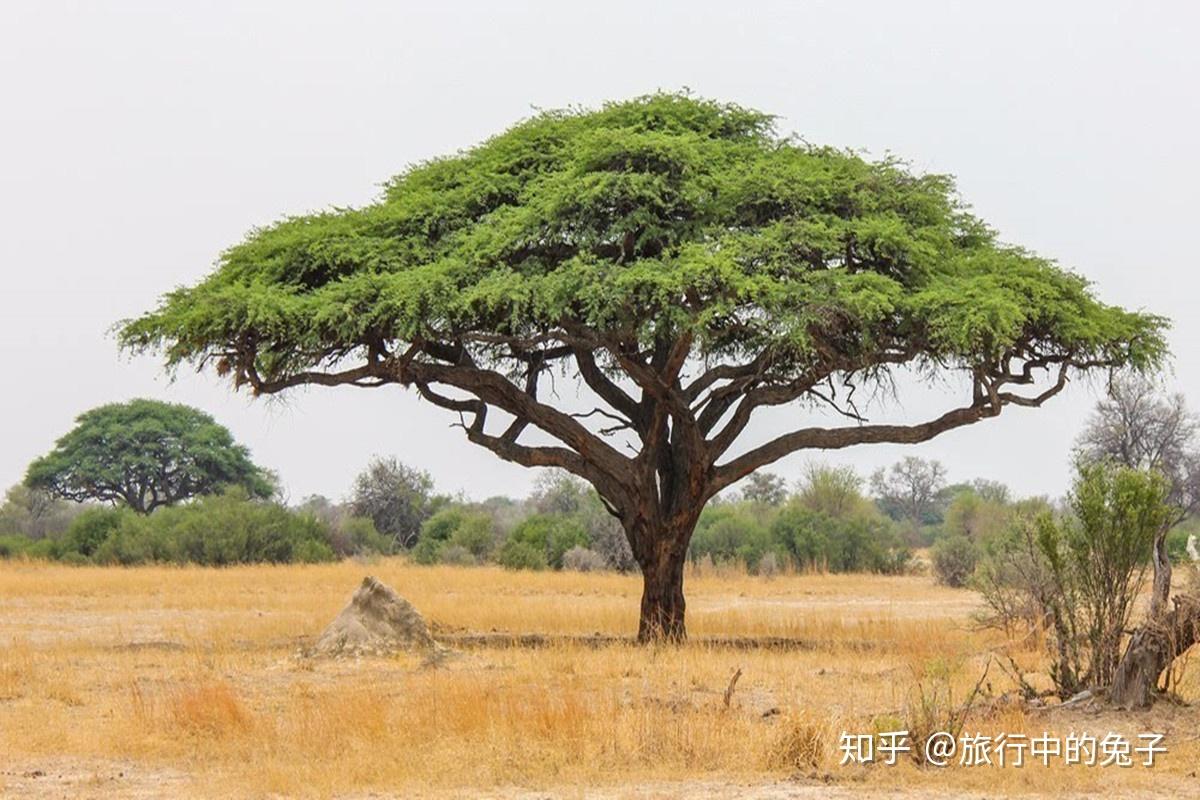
193	672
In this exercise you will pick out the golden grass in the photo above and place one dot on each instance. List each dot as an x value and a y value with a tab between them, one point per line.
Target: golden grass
193	671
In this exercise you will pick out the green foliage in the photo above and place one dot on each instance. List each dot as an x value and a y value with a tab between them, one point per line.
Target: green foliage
730	532
443	524
1097	560
145	454
607	218
974	517
90	529
215	530
954	560
1177	541
551	534
475	535
518	554
396	497
816	540
455	526
827	525
361	537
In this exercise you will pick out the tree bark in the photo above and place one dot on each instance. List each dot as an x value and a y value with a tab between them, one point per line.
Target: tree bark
663	605
1161	589
1151	650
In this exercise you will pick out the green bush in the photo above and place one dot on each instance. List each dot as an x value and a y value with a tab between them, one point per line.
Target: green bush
360	536
517	554
475	535
550	534
13	546
1177	542
442	525
458	555
954	560
730	532
428	550
455	526
214	530
88	531
856	543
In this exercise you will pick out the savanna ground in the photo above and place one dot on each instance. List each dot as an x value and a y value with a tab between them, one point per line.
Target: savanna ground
181	682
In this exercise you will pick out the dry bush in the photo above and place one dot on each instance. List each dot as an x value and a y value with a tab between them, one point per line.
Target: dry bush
581	559
933	705
803	743
209	708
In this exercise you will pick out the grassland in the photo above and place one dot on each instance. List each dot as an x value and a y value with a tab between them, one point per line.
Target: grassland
186	682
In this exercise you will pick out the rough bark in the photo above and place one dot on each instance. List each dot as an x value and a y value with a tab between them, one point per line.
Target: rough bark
663	605
1161	589
1151	650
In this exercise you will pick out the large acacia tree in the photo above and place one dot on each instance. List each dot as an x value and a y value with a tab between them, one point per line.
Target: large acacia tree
687	264
145	454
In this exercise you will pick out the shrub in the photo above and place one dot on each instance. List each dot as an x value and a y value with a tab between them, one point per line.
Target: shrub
954	560
551	534
475	535
456	554
1014	577
455	526
581	559
88	531
358	536
1097	560
428	551
730	532
13	546
516	554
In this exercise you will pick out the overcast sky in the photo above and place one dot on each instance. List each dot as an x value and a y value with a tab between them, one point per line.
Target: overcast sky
137	140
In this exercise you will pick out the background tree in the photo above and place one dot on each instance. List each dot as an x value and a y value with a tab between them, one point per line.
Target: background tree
909	491
396	497
145	454
34	513
1138	426
689	265
764	487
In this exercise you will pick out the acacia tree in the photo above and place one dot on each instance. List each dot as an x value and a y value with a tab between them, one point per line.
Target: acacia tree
686	263
145	454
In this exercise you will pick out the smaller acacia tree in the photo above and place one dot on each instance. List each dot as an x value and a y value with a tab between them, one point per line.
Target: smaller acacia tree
144	454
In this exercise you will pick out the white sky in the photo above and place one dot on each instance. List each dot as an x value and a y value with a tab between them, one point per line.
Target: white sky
137	140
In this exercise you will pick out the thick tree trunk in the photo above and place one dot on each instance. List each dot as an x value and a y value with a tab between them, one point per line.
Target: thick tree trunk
1151	650
663	605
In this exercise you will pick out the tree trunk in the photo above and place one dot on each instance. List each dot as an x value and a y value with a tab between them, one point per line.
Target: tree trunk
1151	650
662	591
1161	589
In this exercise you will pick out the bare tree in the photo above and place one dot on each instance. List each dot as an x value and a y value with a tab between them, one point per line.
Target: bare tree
910	487
764	487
